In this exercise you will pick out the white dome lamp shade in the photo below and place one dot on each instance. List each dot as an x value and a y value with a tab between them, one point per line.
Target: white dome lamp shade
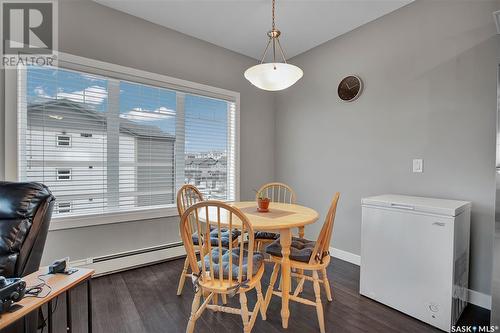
273	76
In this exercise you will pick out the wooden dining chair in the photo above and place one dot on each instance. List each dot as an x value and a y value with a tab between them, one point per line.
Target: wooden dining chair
276	192
217	270
306	256
187	196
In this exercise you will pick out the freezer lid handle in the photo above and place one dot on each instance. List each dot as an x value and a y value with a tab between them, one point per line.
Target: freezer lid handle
402	206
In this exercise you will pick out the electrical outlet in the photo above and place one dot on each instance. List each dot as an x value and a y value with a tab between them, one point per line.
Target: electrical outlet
418	165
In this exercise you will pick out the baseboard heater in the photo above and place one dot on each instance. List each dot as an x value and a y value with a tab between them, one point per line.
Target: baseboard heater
116	262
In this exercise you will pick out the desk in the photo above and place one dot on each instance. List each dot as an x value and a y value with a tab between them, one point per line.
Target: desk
59	283
282	218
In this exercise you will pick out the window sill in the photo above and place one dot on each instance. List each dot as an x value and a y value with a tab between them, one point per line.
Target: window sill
71	222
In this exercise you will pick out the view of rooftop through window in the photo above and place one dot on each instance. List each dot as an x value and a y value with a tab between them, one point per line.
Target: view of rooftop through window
206	122
118	139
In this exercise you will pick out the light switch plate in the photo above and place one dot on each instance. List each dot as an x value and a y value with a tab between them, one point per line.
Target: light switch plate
418	165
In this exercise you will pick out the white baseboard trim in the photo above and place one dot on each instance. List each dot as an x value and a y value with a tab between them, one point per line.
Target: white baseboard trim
122	262
479	299
474	297
346	256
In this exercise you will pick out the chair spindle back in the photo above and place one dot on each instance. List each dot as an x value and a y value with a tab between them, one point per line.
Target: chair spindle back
187	196
278	192
219	215
323	242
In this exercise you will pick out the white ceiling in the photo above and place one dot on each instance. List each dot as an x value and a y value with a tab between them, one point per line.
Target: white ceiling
241	25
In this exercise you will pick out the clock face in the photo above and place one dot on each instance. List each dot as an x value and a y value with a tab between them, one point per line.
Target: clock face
350	88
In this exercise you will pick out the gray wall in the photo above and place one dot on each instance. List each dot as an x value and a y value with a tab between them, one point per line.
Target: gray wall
90	30
430	92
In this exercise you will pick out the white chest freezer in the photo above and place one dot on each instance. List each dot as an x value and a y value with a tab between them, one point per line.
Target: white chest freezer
415	256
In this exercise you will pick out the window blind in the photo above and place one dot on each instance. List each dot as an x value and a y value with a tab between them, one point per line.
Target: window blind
55	108
146	145
208	124
107	145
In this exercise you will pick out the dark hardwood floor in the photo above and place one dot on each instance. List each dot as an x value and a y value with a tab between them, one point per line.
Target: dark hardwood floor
144	300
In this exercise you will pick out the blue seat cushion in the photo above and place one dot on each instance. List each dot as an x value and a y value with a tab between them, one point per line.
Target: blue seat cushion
214	237
266	235
258	260
300	249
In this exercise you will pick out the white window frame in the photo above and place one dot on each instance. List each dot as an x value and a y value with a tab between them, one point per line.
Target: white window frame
72	62
69	174
70	206
58	141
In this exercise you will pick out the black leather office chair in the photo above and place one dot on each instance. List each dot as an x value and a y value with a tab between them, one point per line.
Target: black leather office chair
25	213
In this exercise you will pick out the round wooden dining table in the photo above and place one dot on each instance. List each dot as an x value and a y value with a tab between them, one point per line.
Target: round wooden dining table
282	218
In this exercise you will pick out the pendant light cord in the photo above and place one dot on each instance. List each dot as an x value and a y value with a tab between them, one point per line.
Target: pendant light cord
273	16
273	38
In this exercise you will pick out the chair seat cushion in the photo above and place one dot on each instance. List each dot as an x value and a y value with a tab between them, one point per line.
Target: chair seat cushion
214	237
300	249
258	260
266	235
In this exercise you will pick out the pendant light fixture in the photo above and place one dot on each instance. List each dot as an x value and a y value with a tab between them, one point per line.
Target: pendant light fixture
275	75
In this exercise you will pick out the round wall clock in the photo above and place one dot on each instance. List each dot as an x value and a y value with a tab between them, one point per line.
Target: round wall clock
350	88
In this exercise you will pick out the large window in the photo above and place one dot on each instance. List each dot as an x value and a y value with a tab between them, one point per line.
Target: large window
106	145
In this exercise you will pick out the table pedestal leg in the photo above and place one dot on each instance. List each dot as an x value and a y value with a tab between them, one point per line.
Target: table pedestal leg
285	240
